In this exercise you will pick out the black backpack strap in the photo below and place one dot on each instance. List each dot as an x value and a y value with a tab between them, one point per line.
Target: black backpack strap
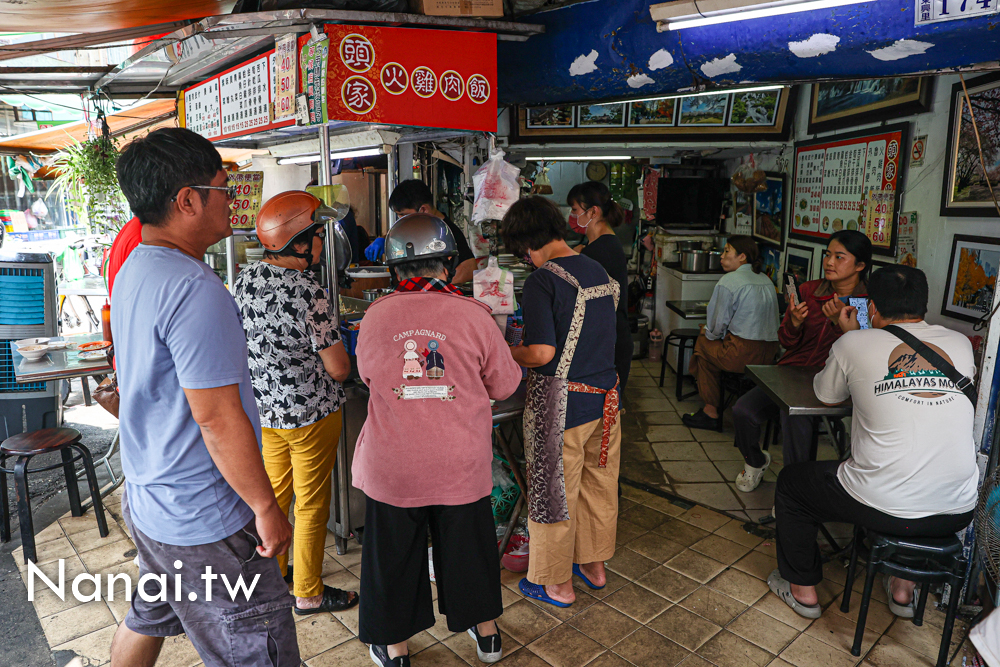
965	384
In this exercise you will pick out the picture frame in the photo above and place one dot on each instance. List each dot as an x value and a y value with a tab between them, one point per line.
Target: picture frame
964	192
703	110
799	262
601	115
839	104
653	113
771	261
562	116
818	252
971	278
754	109
770	210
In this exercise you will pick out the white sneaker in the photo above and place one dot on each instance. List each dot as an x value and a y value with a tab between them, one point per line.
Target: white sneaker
749	479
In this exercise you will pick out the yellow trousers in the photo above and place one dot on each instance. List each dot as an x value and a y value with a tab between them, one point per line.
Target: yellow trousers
299	462
592	500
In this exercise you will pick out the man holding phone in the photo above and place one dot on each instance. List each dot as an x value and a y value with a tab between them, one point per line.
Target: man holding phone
912	470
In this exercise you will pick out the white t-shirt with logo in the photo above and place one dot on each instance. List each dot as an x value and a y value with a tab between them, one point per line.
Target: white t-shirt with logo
912	451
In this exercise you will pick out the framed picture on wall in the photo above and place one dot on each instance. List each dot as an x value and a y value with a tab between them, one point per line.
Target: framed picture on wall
771	258
798	262
547	117
601	115
770	211
837	104
966	185
972	277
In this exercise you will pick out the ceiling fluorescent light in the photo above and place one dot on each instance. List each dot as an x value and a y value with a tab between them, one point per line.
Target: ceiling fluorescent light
577	158
755	11
306	159
751	89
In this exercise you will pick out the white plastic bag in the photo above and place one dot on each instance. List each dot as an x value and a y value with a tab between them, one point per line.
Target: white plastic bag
495	287
496	188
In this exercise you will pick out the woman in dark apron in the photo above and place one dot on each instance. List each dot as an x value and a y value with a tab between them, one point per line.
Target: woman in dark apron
571	427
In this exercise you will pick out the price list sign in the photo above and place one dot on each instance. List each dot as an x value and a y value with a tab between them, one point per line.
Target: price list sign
202	112
246	206
235	102
285	80
850	182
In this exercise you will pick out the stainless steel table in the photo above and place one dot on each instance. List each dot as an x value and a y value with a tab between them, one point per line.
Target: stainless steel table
791	388
64	365
689	310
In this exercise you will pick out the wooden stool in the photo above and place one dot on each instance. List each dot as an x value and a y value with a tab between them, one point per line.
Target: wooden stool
23	447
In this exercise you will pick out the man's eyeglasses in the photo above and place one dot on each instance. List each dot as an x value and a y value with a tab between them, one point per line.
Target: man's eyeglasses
230	190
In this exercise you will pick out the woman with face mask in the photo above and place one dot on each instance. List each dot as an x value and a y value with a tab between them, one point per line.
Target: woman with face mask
594	214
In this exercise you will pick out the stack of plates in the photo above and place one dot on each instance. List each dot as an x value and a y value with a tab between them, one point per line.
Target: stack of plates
506	260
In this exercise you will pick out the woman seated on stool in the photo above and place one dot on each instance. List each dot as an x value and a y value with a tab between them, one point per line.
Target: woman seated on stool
807	333
742	328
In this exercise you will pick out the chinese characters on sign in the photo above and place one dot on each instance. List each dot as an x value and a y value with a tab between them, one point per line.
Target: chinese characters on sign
285	80
394	78
356	53
358	94
246	206
314	60
389	75
906	244
936	11
245	95
836	182
423	81
202	113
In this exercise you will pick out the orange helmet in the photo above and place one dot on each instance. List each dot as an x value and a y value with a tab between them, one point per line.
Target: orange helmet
284	216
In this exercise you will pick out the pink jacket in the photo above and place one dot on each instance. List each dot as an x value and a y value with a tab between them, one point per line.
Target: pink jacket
432	362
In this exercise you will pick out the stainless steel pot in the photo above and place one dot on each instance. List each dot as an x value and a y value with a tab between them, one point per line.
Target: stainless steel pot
688	246
215	260
719	242
694	261
715	261
372	294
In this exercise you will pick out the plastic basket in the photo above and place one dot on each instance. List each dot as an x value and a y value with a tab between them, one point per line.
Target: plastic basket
503	500
350	338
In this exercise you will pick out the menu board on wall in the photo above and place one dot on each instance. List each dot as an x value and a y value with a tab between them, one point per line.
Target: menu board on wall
235	102
850	181
285	70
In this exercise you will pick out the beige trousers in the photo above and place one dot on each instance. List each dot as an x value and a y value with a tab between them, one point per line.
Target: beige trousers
592	500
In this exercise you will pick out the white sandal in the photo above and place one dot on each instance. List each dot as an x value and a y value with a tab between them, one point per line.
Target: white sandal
750	478
783	590
901	610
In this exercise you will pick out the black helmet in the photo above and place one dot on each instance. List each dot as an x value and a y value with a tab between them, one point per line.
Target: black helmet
420	236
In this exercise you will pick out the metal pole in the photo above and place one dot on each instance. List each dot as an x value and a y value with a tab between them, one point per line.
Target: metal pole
231	262
393	176
342	486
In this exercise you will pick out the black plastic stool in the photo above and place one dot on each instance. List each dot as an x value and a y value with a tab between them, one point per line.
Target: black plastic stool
24	447
682	339
921	559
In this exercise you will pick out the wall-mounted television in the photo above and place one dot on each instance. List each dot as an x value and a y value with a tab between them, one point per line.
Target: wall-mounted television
690	203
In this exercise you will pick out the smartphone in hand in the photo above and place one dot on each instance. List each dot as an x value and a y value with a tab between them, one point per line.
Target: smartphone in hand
862	306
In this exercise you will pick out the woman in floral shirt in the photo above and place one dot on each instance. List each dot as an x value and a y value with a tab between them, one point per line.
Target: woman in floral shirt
297	362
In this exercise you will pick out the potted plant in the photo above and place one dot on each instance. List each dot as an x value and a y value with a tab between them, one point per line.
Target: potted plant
88	179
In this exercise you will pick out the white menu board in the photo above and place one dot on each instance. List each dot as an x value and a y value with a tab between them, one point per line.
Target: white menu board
202	113
844	180
246	95
809	191
284	67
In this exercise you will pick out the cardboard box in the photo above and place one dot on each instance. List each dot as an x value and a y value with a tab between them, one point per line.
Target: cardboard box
470	8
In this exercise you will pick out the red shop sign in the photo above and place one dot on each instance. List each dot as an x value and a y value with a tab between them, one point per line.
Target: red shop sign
405	76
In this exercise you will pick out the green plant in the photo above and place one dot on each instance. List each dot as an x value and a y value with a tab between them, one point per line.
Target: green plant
88	180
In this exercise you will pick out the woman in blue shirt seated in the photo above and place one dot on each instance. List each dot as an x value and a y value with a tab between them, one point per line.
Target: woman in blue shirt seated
742	328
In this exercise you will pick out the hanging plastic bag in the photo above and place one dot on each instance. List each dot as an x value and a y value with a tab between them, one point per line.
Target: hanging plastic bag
495	287
496	188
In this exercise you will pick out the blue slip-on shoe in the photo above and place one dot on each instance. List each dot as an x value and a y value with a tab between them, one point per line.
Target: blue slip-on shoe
537	592
579	572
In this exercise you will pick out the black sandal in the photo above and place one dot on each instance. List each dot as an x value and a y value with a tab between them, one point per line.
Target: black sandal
334	599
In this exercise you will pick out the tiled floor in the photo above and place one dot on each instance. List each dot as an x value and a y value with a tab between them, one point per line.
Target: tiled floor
698	465
685	587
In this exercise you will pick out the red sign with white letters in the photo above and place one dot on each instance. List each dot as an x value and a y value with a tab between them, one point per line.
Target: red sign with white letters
406	76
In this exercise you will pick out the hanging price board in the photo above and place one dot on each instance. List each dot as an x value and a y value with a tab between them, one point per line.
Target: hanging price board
837	178
247	204
285	76
313	60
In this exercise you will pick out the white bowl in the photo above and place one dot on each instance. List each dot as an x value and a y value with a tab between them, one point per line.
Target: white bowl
30	341
33	352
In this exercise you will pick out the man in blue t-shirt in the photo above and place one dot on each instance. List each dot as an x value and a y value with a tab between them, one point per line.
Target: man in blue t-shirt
197	495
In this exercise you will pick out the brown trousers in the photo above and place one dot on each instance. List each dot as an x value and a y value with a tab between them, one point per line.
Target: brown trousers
731	354
592	500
